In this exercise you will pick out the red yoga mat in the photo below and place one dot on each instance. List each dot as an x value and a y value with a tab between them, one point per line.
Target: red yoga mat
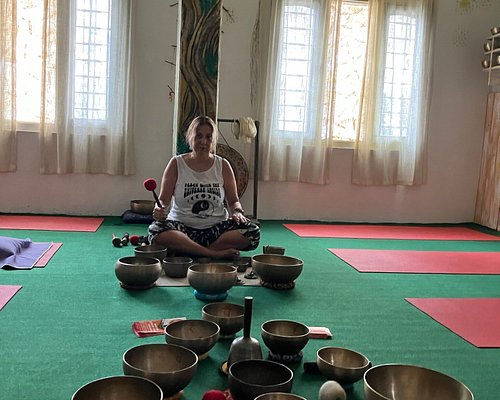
388	232
6	293
473	319
50	223
43	260
421	262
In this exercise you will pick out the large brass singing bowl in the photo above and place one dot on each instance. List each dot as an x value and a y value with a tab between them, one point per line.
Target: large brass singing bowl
197	335
137	271
170	366
251	378
212	278
277	268
409	382
119	388
342	365
284	337
228	316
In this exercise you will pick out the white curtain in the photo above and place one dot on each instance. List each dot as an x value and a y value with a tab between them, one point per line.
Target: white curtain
298	156
385	155
80	144
8	143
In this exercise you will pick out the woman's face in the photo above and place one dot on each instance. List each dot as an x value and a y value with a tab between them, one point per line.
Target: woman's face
203	139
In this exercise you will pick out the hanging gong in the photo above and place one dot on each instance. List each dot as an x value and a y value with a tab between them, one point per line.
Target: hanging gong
238	164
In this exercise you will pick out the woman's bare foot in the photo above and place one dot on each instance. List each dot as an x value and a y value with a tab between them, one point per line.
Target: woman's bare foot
226	253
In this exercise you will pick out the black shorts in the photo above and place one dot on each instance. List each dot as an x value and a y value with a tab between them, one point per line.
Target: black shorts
206	237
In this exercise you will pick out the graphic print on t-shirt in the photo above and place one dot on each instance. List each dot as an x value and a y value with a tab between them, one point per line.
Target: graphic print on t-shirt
203	198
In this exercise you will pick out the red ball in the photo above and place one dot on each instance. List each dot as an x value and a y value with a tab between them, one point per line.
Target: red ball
134	239
214	395
150	184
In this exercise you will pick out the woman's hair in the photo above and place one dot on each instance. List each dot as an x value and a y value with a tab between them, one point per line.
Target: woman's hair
193	127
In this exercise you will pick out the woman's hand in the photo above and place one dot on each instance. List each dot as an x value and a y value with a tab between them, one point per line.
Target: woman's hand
159	213
238	217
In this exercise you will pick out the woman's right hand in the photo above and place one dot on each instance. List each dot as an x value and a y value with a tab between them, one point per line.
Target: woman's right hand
159	213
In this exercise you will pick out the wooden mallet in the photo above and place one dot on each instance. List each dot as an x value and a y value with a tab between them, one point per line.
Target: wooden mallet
117	242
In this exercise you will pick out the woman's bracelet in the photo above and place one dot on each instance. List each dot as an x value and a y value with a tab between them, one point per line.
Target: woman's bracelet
238	209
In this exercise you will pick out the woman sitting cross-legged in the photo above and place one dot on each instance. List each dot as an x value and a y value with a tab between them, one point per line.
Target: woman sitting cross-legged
195	187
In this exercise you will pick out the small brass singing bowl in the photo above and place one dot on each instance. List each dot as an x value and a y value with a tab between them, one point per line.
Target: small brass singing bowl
342	365
284	337
197	335
229	317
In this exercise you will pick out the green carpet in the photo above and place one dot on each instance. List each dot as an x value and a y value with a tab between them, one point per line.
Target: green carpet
71	321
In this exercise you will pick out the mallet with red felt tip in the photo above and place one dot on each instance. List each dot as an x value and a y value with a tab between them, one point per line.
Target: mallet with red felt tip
150	184
134	240
116	241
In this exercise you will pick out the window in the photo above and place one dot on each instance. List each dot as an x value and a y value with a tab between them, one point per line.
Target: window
332	76
398	76
92	59
89	97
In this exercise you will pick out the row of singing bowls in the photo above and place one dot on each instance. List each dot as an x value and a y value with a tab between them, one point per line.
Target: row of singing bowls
276	268
197	335
228	316
342	365
170	366
119	388
212	278
284	337
248	379
138	271
410	382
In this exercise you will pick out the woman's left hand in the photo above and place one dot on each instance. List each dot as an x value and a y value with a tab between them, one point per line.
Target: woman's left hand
239	217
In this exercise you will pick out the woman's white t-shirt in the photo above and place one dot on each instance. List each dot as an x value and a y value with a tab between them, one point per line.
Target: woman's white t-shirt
198	200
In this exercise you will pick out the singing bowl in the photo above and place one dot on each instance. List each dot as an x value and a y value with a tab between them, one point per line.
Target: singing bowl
212	278
228	316
170	366
279	396
197	335
250	378
410	382
342	365
119	388
284	337
137	271
176	267
151	250
277	268
144	207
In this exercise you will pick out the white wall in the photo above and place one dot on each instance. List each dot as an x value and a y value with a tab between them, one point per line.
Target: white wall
456	132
